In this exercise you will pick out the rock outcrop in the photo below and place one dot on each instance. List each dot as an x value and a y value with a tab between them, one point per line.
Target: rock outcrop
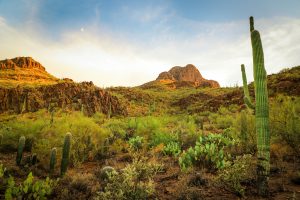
24	71
21	62
189	75
66	95
25	86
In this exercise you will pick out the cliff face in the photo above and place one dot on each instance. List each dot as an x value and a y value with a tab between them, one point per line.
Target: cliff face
21	62
69	96
188	74
45	90
24	71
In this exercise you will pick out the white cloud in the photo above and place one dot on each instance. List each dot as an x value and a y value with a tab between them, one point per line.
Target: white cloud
106	59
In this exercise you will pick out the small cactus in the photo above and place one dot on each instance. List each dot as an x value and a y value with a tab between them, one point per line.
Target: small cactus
65	154
52	160
21	146
33	159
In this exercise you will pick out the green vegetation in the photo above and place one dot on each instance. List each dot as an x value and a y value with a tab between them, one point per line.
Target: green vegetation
261	110
190	143
29	189
208	152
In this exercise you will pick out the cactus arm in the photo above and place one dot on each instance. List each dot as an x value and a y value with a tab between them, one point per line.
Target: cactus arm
251	24
262	114
247	98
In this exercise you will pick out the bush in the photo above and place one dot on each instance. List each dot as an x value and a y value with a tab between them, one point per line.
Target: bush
235	174
284	121
208	151
77	186
133	182
136	143
172	149
162	138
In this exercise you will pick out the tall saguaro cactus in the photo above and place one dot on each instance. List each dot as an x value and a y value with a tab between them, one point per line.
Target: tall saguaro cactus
261	110
65	154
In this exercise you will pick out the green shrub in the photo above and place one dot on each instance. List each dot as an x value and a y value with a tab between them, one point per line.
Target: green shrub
208	152
133	182
172	149
241	171
136	143
162	138
284	121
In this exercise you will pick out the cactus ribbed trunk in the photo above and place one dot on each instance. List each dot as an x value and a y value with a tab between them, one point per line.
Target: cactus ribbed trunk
65	154
52	160
261	110
261	114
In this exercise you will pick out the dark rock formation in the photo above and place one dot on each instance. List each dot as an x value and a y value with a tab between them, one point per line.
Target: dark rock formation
32	88
189	74
65	95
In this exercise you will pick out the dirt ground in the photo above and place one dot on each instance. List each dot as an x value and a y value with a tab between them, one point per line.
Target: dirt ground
171	183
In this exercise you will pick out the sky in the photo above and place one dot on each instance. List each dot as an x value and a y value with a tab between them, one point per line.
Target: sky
128	43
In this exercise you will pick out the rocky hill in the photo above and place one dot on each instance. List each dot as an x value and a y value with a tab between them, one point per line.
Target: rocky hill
188	76
24	71
25	86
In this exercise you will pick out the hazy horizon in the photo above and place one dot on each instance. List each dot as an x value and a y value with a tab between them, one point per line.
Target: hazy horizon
128	43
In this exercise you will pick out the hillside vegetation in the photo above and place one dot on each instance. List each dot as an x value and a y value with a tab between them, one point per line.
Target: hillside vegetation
165	139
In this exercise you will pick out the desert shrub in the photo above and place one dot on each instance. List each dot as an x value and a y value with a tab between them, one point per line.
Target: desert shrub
187	131
172	149
116	128
247	139
162	138
44	136
208	152
79	186
136	143
224	118
29	189
133	182
234	175
284	121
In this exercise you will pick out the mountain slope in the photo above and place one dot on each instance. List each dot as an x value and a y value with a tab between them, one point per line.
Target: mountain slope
24	71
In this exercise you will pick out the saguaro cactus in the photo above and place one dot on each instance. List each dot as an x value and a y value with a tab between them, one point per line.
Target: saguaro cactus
52	160
261	110
21	146
65	154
